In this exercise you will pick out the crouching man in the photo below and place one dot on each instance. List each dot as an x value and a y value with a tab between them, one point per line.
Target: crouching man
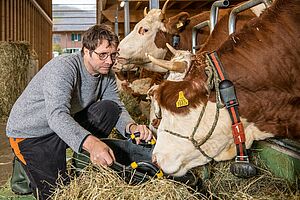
71	102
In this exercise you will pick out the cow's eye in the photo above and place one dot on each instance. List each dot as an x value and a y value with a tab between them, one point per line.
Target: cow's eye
142	30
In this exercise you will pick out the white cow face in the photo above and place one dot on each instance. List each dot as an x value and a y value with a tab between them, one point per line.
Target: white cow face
140	41
176	155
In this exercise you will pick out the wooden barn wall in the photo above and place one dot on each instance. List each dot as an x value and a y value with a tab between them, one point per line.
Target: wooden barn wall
28	20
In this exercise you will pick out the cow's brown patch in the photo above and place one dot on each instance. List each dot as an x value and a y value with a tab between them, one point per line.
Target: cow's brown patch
193	88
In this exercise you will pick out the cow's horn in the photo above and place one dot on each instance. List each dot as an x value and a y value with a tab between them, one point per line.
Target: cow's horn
172	66
145	11
174	51
163	11
163	63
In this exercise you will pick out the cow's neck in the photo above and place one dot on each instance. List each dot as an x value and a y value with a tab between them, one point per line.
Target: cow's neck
265	79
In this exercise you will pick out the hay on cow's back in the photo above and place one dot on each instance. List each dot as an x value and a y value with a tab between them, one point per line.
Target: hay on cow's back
15	64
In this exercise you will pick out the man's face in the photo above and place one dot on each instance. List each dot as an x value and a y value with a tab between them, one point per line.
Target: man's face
101	59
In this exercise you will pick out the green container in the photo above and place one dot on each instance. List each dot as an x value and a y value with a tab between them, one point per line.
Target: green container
281	156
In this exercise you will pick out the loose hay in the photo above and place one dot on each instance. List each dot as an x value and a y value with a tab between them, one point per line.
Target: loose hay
218	183
15	63
221	184
103	183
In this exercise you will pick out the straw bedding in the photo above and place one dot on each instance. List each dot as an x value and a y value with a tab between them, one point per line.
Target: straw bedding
218	183
100	183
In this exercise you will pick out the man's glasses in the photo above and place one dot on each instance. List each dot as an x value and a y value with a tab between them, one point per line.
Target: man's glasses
104	56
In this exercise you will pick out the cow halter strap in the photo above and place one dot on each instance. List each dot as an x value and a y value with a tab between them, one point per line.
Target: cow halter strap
242	167
213	82
229	98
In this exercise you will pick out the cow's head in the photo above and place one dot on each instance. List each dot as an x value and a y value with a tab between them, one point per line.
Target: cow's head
179	133
178	67
143	39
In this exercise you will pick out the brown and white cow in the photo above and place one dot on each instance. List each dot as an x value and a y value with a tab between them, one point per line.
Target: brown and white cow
151	34
263	62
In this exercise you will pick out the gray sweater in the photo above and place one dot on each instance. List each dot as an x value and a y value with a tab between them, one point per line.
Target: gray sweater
60	89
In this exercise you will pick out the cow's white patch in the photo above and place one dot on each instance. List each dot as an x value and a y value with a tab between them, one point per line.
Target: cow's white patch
135	45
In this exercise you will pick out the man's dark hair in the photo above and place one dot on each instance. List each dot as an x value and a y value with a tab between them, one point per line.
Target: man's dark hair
94	36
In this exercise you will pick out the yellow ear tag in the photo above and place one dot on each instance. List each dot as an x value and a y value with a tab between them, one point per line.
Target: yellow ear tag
179	25
182	101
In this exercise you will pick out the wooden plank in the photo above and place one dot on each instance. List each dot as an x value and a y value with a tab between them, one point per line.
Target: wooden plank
11	21
22	20
187	5
18	20
163	0
104	4
99	11
138	4
14	14
32	24
28	20
3	22
136	16
42	11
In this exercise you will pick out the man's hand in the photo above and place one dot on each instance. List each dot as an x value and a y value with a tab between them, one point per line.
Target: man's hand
145	133
100	153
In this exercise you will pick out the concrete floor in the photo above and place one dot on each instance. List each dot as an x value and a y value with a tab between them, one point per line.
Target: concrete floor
6	156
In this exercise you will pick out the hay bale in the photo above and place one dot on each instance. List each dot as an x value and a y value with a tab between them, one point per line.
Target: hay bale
17	66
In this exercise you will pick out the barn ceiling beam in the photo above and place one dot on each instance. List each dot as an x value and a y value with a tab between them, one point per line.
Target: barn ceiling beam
138	4
187	5
170	4
164	0
41	11
110	14
137	15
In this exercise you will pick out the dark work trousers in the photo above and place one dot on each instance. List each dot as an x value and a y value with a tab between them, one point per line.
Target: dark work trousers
45	156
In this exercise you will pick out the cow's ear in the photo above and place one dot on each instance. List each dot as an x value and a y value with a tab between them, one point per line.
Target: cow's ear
183	21
177	23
